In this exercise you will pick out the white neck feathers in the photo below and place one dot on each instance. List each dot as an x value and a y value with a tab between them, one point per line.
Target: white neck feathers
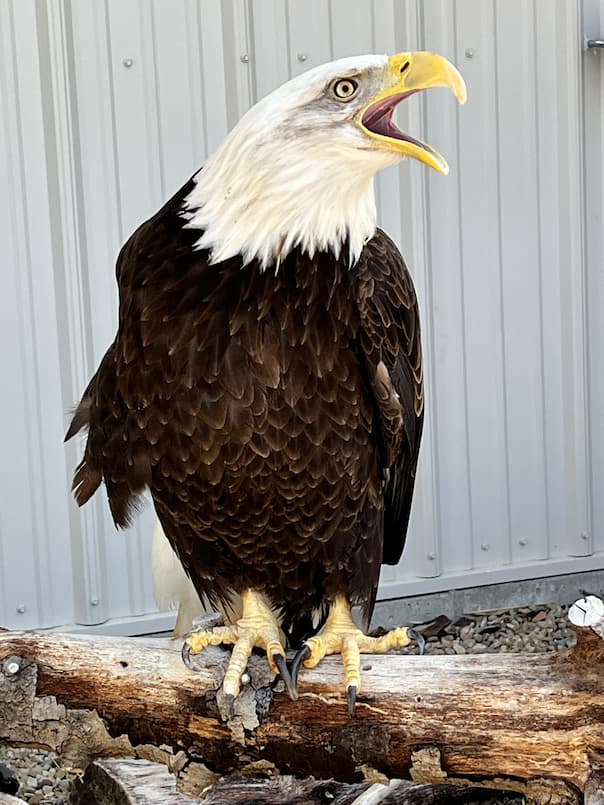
262	199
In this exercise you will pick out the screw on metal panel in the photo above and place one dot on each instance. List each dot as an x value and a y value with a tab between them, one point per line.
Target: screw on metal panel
431	556
127	63
21	608
485	546
523	541
584	536
470	52
244	58
302	56
94	602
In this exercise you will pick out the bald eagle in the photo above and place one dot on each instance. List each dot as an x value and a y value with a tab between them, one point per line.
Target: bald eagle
265	381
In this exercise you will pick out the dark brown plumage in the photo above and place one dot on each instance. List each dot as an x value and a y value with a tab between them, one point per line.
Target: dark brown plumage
275	416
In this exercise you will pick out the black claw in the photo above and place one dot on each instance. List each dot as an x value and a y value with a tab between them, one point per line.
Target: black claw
281	664
186	655
229	705
419	639
351	695
301	655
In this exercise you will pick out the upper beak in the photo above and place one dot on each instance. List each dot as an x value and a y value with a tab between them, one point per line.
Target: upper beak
408	73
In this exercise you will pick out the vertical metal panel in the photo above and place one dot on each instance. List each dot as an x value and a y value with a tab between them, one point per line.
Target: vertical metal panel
135	107
476	176
444	339
270	64
238	77
593	136
35	556
308	34
561	211
351	28
520	276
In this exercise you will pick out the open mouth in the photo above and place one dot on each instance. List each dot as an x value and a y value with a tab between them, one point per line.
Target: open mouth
378	120
378	117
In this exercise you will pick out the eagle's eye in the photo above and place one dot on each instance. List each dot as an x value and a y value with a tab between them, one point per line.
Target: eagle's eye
345	88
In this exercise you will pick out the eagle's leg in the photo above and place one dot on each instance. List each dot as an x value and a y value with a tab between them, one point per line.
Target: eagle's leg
258	626
340	635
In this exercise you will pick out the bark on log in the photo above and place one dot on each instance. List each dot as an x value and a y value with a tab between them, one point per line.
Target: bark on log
523	716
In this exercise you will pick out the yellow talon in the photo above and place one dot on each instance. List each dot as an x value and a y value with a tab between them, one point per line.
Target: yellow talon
340	635
259	627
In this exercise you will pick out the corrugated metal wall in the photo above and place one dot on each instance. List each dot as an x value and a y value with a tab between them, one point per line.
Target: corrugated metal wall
593	139
108	105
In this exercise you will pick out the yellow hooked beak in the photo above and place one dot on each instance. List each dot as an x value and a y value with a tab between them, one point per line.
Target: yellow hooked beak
408	73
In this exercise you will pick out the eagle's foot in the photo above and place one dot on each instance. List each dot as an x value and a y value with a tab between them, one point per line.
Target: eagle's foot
257	627
340	635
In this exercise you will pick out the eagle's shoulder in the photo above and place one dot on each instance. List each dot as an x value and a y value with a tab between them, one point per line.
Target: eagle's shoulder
165	234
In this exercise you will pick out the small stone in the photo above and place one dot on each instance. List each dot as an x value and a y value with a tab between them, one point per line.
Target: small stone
458	647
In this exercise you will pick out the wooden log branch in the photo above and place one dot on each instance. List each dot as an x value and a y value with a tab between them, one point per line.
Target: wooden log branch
516	716
140	782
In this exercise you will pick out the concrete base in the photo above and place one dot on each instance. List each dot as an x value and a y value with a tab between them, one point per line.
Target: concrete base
455	603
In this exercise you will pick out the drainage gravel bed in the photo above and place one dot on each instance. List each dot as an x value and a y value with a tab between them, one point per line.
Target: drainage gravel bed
533	629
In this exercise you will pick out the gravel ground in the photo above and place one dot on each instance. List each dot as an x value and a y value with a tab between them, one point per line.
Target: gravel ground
41	777
529	629
533	629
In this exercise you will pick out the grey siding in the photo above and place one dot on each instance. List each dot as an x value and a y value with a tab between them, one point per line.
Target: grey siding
107	106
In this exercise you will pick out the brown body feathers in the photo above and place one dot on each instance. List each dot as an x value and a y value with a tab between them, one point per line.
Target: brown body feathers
275	417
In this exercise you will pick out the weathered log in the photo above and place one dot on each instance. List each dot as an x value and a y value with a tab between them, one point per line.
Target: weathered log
594	788
128	782
140	782
523	716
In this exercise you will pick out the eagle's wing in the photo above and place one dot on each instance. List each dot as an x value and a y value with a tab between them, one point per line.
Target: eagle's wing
390	347
113	406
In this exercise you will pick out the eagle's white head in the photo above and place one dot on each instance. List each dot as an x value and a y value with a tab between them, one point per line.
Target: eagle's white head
298	168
